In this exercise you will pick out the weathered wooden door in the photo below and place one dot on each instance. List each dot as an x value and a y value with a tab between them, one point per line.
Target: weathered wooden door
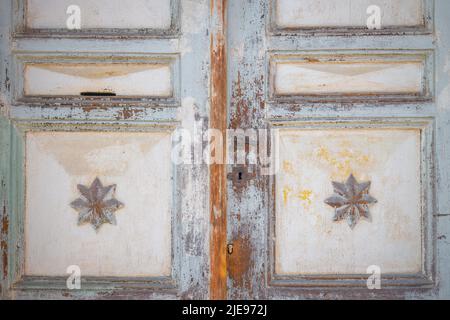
337	186
93	96
356	95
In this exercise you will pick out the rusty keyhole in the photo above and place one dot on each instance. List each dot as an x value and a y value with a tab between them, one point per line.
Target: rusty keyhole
230	248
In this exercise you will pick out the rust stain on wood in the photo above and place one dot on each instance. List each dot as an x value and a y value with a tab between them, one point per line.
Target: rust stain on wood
128	113
245	267
246	108
239	263
218	120
92	107
240	115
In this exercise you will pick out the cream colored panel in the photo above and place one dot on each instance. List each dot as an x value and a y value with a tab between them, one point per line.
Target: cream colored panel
308	241
124	79
347	77
346	13
138	163
101	14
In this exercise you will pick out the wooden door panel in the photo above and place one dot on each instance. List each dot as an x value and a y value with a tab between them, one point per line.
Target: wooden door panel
346	13
88	18
52	78
356	75
314	238
140	14
340	99
78	80
93	115
138	243
309	241
333	16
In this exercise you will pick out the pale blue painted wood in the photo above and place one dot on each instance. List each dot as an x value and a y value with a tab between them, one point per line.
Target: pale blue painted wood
5	164
190	45
4	201
251	41
248	42
442	42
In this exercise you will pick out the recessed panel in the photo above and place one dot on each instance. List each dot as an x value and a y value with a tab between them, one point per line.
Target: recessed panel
298	14
100	201
347	199
121	79
348	76
99	14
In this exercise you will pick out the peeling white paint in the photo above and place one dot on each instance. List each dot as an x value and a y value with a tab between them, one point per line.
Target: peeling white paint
348	13
296	78
308	241
123	79
138	163
118	14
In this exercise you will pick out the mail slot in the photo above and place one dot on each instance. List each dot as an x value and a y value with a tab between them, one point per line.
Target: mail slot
91	79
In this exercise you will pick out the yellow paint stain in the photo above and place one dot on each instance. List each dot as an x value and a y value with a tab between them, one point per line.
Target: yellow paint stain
324	154
305	195
356	156
287	167
344	161
286	191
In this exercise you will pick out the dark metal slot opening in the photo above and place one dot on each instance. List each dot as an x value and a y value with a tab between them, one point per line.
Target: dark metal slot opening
98	94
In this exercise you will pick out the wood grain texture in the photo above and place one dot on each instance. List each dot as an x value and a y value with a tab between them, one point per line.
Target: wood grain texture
5	144
4	202
247	201
218	183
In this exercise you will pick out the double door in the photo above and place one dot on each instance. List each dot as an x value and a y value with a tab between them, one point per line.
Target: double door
195	149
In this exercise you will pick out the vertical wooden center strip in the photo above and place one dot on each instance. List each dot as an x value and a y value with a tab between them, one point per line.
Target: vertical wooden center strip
218	120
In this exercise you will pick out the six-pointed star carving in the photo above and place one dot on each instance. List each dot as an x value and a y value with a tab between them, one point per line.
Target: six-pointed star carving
97	204
351	200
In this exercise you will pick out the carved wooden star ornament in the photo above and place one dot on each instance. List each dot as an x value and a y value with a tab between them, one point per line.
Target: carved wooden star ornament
351	201
96	204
